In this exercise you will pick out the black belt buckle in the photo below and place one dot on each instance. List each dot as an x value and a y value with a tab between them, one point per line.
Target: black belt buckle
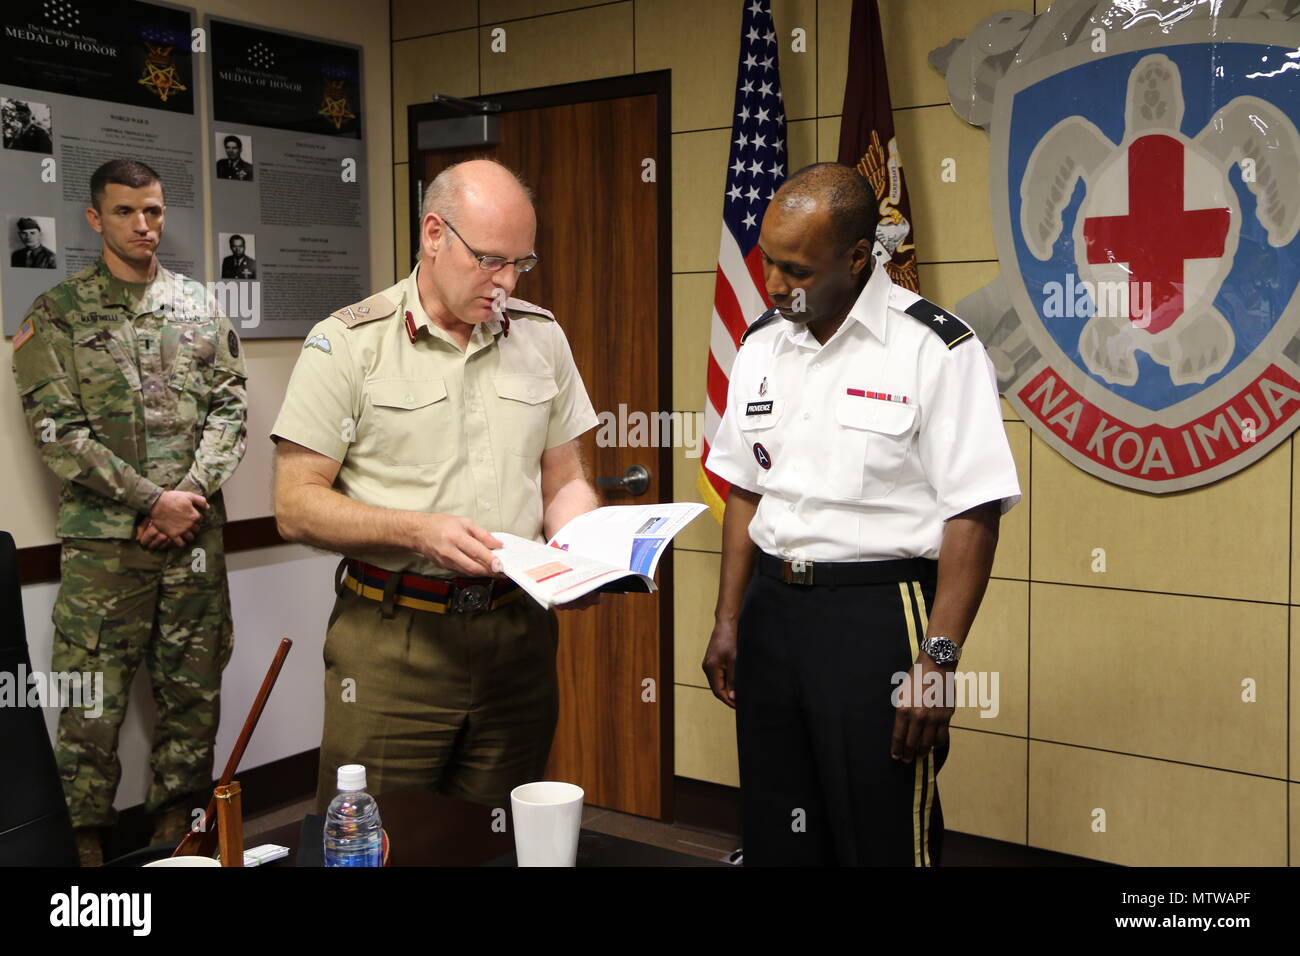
469	597
797	572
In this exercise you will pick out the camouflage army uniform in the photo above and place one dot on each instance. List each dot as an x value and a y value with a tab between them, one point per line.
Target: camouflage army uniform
132	389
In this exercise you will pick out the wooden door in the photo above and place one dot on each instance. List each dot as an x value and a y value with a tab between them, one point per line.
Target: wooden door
604	272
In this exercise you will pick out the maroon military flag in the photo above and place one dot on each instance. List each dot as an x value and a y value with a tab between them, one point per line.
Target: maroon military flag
867	141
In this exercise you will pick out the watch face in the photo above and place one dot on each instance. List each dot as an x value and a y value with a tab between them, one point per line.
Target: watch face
942	650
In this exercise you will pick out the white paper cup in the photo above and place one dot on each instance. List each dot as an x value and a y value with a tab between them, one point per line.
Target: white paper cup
185	861
547	817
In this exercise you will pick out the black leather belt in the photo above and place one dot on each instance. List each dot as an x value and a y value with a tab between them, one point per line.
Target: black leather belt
843	573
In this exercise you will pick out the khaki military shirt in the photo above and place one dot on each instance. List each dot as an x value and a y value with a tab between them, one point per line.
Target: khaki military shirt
422	426
131	389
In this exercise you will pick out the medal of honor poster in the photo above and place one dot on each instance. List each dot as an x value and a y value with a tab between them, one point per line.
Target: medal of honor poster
80	84
136	54
288	183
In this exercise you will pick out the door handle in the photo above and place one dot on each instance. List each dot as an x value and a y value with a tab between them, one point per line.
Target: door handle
635	480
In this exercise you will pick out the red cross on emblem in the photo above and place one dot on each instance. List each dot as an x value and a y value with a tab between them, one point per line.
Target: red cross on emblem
1158	235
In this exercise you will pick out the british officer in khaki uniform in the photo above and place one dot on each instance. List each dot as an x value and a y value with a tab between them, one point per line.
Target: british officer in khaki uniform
415	422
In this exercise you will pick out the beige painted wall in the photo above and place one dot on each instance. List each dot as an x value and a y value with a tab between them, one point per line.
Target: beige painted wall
1120	691
28	492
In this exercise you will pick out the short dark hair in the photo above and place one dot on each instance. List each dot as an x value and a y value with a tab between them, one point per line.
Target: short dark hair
231	240
27	222
233	139
846	194
123	172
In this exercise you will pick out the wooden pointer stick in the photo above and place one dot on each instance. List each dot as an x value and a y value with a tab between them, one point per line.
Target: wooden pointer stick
204	842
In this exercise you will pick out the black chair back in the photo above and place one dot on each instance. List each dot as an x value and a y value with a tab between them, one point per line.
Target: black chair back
35	829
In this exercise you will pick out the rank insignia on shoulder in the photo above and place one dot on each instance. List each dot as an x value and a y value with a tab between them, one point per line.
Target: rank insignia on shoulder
943	323
377	306
319	341
520	305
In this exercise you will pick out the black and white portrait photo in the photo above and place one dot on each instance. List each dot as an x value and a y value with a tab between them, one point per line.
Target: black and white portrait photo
26	125
236	154
31	239
238	263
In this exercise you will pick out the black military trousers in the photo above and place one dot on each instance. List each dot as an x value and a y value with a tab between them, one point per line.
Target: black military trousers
814	716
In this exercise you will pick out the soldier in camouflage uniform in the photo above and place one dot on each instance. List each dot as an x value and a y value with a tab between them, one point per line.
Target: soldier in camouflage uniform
133	383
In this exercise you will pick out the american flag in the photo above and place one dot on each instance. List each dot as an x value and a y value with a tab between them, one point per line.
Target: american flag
755	170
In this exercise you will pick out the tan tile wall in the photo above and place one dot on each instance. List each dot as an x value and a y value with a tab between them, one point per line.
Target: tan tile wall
1120	690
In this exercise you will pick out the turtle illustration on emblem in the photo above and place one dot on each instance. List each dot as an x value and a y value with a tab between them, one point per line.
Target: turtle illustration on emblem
1159	222
1144	205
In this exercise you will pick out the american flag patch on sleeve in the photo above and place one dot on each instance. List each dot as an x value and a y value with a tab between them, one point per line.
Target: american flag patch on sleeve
25	332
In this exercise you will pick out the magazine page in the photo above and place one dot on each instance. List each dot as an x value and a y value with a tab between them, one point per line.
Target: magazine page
550	575
633	537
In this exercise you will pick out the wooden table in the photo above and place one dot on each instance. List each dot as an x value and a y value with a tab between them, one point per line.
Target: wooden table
428	829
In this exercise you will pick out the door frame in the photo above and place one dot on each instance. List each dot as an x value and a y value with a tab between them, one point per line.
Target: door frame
657	83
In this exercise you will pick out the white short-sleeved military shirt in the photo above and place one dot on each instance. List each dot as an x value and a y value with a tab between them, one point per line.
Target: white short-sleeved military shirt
863	447
422	426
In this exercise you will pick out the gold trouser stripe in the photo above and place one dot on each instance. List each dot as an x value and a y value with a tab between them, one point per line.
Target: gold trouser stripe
929	760
377	594
910	618
924	768
920	606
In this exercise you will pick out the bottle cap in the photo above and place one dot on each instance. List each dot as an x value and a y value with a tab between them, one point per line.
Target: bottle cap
352	777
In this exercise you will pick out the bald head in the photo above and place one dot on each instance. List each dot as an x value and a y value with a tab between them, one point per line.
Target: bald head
476	181
839	193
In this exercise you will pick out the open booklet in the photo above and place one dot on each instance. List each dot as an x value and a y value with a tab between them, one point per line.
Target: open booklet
616	548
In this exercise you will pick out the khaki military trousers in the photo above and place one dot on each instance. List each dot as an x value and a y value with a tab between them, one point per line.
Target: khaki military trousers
464	704
120	604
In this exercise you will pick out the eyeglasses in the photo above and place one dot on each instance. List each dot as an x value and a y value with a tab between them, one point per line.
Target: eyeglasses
496	263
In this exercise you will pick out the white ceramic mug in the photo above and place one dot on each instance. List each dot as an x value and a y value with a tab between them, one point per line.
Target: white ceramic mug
547	816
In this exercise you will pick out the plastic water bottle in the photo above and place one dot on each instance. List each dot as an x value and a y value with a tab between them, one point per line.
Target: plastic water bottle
352	827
